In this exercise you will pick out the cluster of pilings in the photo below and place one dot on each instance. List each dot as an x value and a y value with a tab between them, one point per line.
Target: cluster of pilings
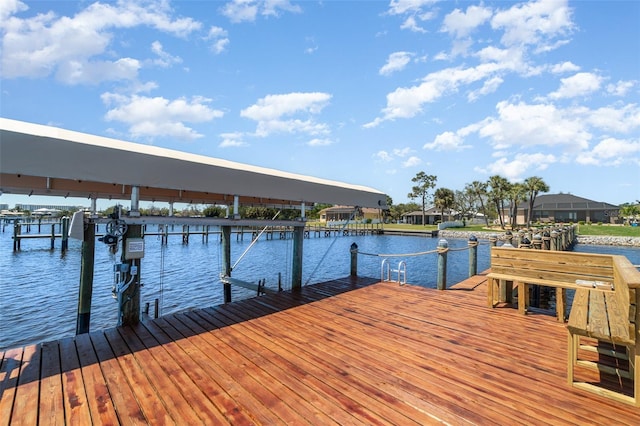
556	239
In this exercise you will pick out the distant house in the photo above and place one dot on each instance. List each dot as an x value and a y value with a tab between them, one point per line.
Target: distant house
343	213
567	208
432	215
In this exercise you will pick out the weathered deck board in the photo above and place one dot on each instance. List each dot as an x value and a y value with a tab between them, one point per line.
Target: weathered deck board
345	352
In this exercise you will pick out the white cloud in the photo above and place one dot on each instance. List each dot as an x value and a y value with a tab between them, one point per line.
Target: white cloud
219	39
71	47
489	86
615	118
460	24
447	141
534	23
164	59
414	12
611	152
152	117
383	156
531	125
580	84
402	152
412	161
232	140
517	168
270	112
320	142
621	88
396	61
248	10
563	67
9	8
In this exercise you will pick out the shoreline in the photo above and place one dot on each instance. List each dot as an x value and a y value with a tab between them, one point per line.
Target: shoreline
599	240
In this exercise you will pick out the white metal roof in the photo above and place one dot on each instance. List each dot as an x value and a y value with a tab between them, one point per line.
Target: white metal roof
44	160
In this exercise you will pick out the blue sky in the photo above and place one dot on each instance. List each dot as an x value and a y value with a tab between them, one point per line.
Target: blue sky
364	92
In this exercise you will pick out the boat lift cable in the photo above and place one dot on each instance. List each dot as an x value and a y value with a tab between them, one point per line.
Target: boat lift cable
355	210
254	241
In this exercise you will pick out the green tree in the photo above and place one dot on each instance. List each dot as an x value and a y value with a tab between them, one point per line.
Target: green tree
517	193
497	195
424	183
479	191
214	211
444	198
464	203
534	185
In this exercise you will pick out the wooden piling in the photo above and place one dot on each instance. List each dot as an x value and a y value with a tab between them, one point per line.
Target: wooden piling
473	255
296	268
225	236
85	291
443	248
354	260
131	296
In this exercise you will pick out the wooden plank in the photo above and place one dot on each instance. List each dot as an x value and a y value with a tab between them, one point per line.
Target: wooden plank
99	399
124	400
25	408
161	377
76	407
579	311
597	322
9	376
148	397
51	406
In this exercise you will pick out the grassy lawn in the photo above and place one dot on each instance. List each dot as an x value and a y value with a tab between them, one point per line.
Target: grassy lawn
608	230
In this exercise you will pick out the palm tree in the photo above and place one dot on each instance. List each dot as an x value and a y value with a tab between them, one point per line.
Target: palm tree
499	190
424	182
443	198
517	194
479	191
534	186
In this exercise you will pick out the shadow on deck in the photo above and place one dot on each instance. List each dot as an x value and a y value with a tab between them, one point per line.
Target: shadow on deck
349	351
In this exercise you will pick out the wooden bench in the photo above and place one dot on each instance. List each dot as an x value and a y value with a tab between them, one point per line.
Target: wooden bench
559	269
604	336
603	323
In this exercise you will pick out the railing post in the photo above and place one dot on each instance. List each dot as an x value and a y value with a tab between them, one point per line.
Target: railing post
443	248
473	255
554	240
16	235
493	240
354	260
546	240
509	238
524	243
537	242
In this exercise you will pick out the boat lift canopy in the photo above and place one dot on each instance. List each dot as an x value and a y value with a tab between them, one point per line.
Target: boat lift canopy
44	160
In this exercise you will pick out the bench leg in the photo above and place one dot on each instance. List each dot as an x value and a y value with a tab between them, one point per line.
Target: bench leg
490	285
523	297
573	345
561	303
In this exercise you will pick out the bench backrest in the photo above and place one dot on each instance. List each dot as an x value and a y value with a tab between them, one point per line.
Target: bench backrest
559	266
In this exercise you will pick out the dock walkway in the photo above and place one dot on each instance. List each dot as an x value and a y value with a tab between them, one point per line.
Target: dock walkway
347	352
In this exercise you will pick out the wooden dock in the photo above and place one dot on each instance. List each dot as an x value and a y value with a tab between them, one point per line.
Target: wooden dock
343	352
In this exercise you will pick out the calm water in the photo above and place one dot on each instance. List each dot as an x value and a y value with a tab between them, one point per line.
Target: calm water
39	286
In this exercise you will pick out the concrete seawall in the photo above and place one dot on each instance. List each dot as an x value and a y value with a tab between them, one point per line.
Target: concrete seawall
582	239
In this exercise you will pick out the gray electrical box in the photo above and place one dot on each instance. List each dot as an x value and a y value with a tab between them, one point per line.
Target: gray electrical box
134	248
